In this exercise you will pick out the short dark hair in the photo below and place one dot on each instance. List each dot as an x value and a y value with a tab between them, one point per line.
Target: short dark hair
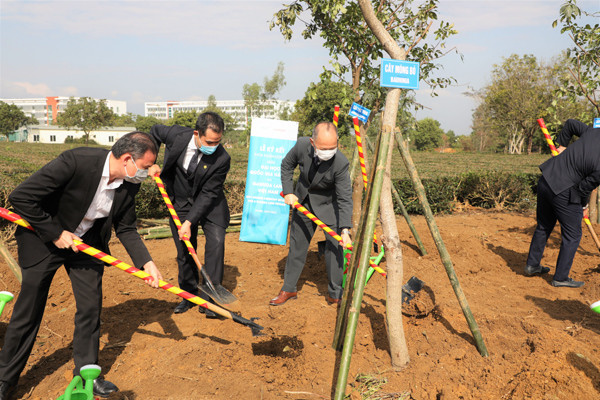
328	126
137	143
209	120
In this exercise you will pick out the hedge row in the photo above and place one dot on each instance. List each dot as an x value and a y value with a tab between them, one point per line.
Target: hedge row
488	189
492	190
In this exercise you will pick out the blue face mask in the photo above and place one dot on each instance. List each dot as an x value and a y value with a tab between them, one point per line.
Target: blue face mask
208	150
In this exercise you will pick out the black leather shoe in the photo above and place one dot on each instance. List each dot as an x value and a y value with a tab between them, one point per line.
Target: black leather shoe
539	270
7	390
183	307
208	313
568	283
104	388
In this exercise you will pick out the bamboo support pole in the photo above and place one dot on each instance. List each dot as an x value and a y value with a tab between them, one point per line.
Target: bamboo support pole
437	238
372	206
12	263
409	222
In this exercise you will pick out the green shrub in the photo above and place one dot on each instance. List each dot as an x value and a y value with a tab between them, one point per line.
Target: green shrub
486	189
499	190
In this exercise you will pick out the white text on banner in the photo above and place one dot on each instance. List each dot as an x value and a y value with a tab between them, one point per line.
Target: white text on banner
265	216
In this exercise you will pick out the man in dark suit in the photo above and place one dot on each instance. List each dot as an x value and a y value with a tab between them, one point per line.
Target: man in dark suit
323	187
194	171
563	194
80	195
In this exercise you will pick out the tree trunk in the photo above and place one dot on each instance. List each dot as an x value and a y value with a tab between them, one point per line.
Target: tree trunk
399	350
395	270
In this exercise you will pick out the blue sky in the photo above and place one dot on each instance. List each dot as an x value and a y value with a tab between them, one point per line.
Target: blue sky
141	51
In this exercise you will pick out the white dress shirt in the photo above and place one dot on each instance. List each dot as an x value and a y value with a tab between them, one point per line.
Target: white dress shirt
189	153
102	201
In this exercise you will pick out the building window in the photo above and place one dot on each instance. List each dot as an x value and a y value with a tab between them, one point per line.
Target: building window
36	138
53	138
111	139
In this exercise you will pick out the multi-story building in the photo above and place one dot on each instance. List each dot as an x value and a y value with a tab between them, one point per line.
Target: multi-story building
46	109
236	108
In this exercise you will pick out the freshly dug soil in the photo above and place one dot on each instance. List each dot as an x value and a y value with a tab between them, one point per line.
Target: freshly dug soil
543	341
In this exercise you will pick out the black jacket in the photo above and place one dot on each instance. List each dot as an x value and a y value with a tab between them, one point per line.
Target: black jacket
57	197
578	167
209	200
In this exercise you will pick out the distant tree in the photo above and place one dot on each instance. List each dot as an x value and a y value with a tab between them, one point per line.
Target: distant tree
143	124
318	105
449	140
518	94
184	118
125	120
87	115
428	134
466	143
257	97
228	119
12	118
584	58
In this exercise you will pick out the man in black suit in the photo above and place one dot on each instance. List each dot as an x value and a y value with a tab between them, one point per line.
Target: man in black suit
563	194
81	195
194	171
325	189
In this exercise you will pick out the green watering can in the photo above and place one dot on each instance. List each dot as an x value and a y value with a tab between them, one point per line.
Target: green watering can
5	297
76	390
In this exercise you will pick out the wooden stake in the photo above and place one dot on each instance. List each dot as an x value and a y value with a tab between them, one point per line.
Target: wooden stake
439	242
12	263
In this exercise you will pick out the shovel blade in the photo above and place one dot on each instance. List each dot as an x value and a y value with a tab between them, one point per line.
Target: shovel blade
411	287
219	294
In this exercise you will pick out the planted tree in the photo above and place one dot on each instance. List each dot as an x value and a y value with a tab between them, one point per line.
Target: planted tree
87	115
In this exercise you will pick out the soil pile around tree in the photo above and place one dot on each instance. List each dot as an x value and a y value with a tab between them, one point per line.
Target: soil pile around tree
543	341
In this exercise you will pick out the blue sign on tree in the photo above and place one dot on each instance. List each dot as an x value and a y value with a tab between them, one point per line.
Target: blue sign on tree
596	122
360	112
399	74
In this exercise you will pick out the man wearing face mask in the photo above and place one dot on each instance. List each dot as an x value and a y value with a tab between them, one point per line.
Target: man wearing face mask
82	194
194	171
323	187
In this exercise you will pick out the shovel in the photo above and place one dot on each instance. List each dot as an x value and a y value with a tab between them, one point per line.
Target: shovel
108	259
411	287
218	293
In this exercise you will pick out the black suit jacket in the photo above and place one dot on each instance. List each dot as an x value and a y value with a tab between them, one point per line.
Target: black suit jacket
578	167
57	197
330	192
209	200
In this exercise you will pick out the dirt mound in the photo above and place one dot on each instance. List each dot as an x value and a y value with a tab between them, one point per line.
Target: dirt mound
543	341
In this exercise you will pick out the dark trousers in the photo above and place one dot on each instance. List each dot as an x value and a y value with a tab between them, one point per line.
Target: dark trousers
214	255
85	274
550	208
301	232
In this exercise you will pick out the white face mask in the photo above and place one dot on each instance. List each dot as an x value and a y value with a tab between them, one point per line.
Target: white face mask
325	155
140	174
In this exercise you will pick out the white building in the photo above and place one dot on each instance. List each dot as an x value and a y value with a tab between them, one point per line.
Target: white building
236	108
55	134
45	109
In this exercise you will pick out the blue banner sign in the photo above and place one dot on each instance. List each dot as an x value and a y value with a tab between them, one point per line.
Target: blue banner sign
265	216
596	122
399	74
360	112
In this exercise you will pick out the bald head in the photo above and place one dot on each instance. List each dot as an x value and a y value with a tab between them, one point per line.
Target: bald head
325	136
